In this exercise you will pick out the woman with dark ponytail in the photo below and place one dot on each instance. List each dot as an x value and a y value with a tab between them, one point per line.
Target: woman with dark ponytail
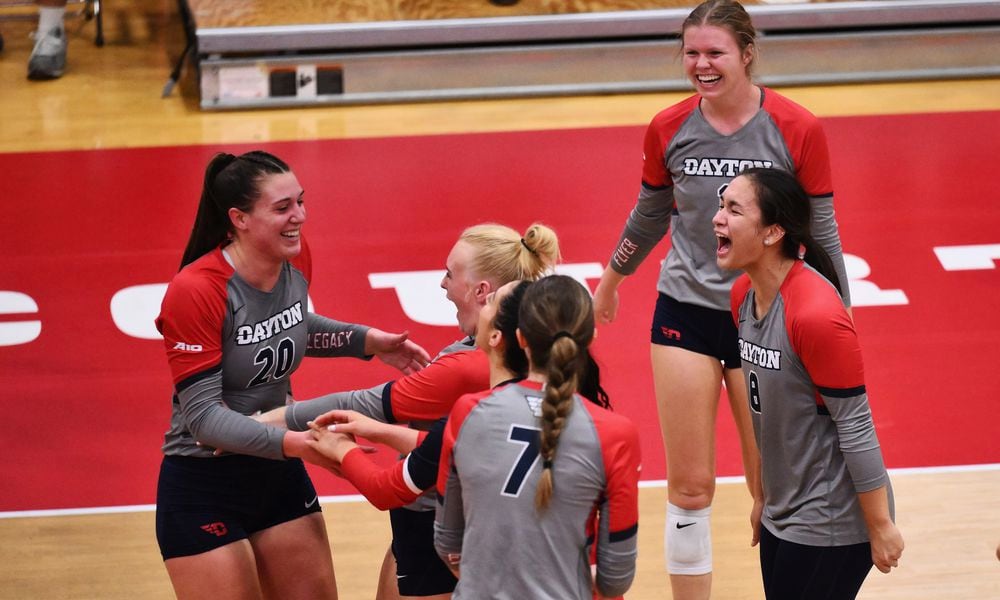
402	483
237	516
820	531
524	467
692	148
229	183
784	203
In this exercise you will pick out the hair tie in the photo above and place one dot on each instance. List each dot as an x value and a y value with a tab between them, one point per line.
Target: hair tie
546	464
528	248
562	334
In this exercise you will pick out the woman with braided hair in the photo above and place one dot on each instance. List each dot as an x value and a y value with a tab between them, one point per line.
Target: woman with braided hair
484	258
525	468
236	513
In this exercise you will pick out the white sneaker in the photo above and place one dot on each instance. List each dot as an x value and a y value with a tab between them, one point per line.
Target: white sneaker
48	59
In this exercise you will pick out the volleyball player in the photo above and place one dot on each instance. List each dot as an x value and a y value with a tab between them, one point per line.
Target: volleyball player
485	257
828	508
525	467
403	482
246	524
691	149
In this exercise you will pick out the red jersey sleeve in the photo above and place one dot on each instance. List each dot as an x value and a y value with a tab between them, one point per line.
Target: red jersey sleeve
620	449
431	392
661	130
821	332
192	314
806	142
385	487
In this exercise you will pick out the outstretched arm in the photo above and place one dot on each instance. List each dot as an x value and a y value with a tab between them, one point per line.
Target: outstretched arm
396	350
399	438
332	338
385	488
369	402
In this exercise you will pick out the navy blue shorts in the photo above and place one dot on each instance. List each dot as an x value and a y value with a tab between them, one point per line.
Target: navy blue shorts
791	570
419	569
696	328
206	503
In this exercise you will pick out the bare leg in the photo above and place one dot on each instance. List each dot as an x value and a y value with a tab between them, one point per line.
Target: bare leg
687	387
226	573
294	560
387	587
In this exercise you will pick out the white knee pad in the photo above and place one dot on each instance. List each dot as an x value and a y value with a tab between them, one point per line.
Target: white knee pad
688	541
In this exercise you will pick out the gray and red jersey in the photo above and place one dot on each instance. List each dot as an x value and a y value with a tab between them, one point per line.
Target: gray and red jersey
419	399
232	349
427	395
486	485
686	162
806	388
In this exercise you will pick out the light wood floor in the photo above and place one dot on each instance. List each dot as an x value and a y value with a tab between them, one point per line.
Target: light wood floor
950	523
232	13
110	98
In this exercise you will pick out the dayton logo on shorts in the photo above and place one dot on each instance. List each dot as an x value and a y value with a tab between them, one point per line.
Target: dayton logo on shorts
217	529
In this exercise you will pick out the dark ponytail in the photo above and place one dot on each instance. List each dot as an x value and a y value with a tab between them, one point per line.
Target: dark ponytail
230	182
505	321
516	361
590	382
785	203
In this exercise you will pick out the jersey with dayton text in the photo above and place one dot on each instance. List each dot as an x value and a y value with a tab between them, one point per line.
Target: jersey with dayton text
809	406
232	348
686	163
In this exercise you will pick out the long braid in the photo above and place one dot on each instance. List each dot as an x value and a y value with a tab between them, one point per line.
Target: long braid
556	320
563	378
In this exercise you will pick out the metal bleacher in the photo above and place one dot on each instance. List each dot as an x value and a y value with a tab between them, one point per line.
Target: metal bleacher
804	43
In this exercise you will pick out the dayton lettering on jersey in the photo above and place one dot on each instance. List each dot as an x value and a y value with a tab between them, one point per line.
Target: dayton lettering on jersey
722	167
757	355
270	327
